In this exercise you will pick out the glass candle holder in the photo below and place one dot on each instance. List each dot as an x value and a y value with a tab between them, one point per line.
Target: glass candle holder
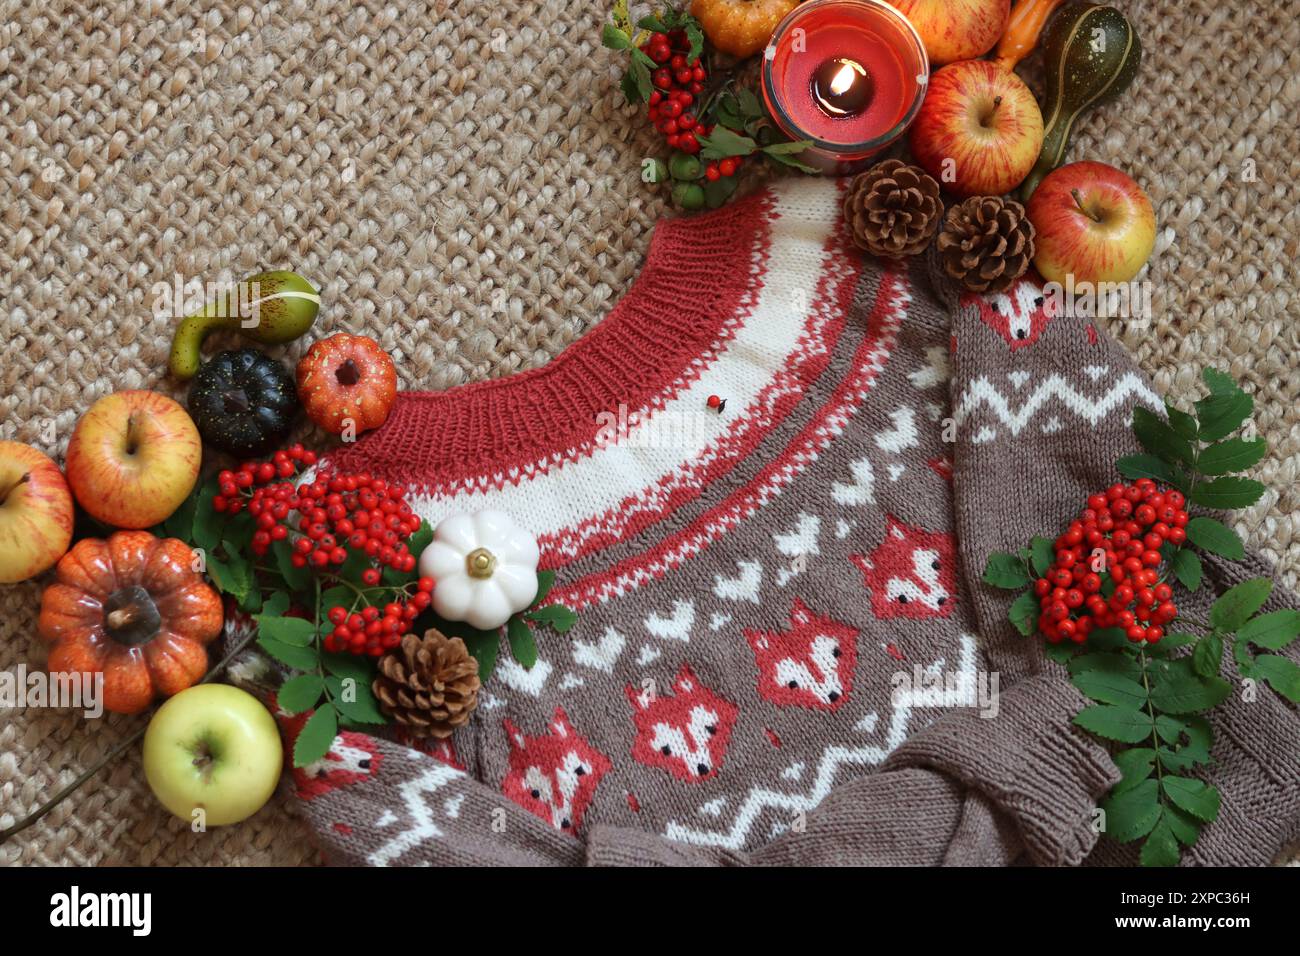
850	75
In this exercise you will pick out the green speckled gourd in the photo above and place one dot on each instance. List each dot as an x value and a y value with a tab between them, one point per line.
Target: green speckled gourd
286	308
1091	54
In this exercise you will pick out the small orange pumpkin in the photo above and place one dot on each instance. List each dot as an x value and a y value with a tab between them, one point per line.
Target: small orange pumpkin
347	379
740	27
131	607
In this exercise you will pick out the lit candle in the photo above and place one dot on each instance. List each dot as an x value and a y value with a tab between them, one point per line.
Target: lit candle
849	75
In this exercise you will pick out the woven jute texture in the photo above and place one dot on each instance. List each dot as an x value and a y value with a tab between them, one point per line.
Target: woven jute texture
461	179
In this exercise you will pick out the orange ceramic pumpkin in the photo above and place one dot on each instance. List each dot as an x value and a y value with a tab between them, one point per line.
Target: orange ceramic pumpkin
347	379
740	27
132	608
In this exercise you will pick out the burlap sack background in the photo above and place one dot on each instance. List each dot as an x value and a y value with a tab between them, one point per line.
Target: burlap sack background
461	179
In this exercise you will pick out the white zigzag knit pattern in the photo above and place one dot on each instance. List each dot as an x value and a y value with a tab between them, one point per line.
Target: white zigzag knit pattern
981	393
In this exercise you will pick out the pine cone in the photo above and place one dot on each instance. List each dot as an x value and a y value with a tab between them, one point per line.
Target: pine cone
429	684
893	209
986	243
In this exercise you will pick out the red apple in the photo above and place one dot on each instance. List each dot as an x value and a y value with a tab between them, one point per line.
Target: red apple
36	513
133	458
979	131
956	29
1093	223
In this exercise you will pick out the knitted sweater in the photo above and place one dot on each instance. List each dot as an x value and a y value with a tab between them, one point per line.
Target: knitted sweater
784	652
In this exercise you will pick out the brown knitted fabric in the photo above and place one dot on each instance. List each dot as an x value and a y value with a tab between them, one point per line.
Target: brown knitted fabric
893	209
986	243
429	684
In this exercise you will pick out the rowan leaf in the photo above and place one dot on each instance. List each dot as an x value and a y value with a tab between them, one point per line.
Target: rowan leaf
1185	565
1220	383
1115	723
1135	765
316	737
1194	796
1161	847
1024	613
556	616
355	700
614	38
1272	631
1225	494
1131	815
1182	693
299	658
1238	605
1157	437
1181	422
1109	688
289	630
1235	454
1208	656
522	646
1185	827
300	693
1145	466
1222	414
1215	537
1005	571
1107	662
1281	673
1042	553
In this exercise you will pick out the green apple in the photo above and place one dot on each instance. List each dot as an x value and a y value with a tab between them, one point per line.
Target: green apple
213	748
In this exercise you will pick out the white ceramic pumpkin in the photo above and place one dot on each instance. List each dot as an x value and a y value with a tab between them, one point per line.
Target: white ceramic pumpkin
484	568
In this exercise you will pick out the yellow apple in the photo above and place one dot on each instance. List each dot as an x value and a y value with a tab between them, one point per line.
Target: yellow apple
956	29
979	130
1093	223
36	512
213	748
133	458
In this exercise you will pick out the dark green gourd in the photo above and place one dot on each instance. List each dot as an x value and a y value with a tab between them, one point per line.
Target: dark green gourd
244	402
1090	55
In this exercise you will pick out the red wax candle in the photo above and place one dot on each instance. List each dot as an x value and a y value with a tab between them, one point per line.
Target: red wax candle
849	75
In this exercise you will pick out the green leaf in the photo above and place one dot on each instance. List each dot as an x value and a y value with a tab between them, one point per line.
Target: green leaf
289	630
652	22
1183	693
1186	566
1108	639
276	605
1281	673
1173	761
724	143
1208	656
208	523
786	159
1235	454
1005	571
556	616
1216	538
1238	605
484	650
299	658
338	596
1200	737
1158	438
695	37
1171	643
637	85
1160	848
1272	631
717	192
297	579
1135	765
1145	466
350	569
1170	729
180	524
1193	796
1111	689
300	693
354	699
750	107
348	666
230	577
1107	662
1131	814
316	737
1115	723
787	148
1222	414
1185	827
1181	422
1219	383
522	646
1062	653
545	581
1024	613
1042	553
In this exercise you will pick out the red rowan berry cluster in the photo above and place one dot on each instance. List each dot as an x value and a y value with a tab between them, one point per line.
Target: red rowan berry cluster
678	81
1119	533
372	629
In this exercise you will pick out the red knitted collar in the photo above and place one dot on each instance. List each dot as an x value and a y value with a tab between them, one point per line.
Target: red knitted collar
695	279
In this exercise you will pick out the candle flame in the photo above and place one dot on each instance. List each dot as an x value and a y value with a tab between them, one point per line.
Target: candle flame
844	78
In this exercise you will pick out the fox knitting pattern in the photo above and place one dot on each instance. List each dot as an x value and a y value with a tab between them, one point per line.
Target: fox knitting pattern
776	657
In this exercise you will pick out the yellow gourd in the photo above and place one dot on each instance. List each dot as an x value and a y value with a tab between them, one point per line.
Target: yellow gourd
740	27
